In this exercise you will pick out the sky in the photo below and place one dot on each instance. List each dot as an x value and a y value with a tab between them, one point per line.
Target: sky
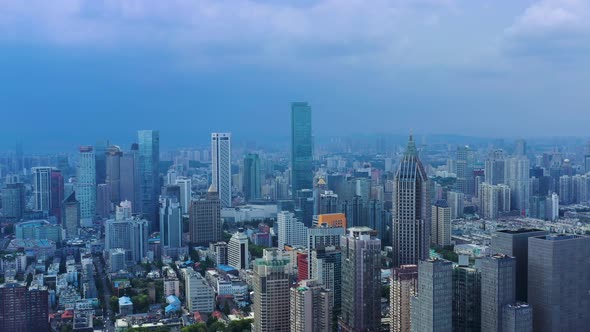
74	71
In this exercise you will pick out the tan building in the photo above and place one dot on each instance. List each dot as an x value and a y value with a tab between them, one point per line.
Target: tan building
441	224
404	284
311	307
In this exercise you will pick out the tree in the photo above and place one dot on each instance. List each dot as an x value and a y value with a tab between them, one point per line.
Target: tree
217	327
198	327
114	302
239	325
141	303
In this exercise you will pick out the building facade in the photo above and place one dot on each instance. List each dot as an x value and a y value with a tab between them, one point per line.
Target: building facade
432	309
221	166
301	147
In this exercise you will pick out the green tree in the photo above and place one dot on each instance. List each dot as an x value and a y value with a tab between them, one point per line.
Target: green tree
239	325
198	327
114	302
141	303
217	327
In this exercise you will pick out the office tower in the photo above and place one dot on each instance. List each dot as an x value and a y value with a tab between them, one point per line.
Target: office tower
221	166
23	309
559	282
130	234
186	193
199	295
565	190
331	220
432	309
301	147
149	172
304	206
42	188
117	259
378	217
411	215
404	285
103	200
520	148
251	177
205	219
441	224
86	185
124	210
327	202
553	207
326	267
311	307
57	194
171	191
100	150
465	159
361	280
13	201
515	243
518	179
130	177
171	177
494	200
37	230
323	236
219	251
237	251
71	216
494	168
466	299
271	292
113	171
456	200
517	317
170	223
291	231
498	283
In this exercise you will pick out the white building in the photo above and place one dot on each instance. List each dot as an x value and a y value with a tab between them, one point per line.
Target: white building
291	231
221	166
41	188
237	251
199	295
86	185
185	185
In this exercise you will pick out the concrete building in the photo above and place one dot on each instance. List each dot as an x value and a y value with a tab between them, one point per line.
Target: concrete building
86	185
441	224
291	231
517	317
117	259
219	253
326	267
170	223
515	243
271	292
130	234
311	307
199	295
559	282
221	167
361	280
23	309
323	236
432	309
125	306
186	193
41	188
205	219
252	184
498	289
404	285
13	201
238	255
456	200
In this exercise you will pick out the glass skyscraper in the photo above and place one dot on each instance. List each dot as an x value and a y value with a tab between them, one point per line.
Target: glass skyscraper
301	147
221	166
86	185
251	177
149	160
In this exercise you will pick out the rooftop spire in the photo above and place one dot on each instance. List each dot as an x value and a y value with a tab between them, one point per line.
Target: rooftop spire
411	148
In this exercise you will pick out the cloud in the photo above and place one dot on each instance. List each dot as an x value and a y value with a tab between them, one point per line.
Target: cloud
552	30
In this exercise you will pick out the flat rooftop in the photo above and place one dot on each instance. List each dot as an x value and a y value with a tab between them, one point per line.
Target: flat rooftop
520	230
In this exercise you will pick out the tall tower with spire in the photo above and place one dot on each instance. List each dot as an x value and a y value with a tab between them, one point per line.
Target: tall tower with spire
411	214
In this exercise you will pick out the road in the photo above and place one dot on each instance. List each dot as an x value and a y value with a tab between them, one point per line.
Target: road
106	296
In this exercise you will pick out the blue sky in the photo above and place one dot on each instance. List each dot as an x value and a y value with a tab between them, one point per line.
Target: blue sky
74	71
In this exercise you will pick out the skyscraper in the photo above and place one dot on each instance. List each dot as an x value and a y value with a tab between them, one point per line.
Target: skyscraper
86	185
518	179
291	231
57	194
432	309
149	169
170	223
100	149
23	309
205	219
271	292
515	243
495	168
404	285
42	188
456	203
498	283
71	216
251	177
130	234
113	172
301	147
326	267
13	201
559	282
186	193
494	200
517	317
361	284
130	189
466	299
221	166
411	217
465	180
311	307
441	224
237	251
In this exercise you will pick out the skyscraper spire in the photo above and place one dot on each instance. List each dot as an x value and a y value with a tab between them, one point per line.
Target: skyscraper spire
411	148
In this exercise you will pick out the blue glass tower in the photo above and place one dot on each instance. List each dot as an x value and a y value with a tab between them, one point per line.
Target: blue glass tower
301	147
149	160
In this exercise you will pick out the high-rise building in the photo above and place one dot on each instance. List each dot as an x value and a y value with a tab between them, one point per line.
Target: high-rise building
515	243
130	189
361	284
326	267
71	216
130	234
518	179
456	200
22	309
219	253
100	149
466	299
301	147
199	295
291	231
205	219
221	166
494	200
271	292
323	236
465	160
113	171
186	194
251	177
86	185
517	317
103	200
237	251
41	188
404	285
311	307
498	283
441	224
170	223
520	148
411	215
495	168
432	309
57	194
559	282
13	201
149	174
